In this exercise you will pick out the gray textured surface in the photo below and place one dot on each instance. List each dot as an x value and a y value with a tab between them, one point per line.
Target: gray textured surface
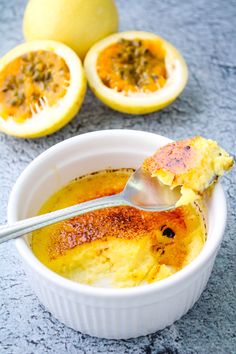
205	32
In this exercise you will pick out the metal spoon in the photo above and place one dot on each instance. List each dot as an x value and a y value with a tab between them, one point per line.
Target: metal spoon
141	191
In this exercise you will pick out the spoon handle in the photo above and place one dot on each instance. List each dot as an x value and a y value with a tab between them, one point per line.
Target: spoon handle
19	228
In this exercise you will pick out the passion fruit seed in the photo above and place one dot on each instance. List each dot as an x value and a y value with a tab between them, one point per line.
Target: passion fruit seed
133	65
167	231
29	80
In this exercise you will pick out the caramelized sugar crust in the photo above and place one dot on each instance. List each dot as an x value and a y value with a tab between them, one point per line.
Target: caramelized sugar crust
120	222
176	157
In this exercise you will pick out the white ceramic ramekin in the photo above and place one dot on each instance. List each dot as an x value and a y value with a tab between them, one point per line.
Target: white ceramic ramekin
108	313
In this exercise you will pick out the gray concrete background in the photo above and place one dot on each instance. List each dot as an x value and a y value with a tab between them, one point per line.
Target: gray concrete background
205	32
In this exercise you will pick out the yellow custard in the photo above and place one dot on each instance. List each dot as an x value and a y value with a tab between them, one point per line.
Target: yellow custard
118	246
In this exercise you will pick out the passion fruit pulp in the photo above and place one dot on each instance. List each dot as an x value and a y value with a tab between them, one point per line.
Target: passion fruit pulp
133	66
35	78
135	72
42	87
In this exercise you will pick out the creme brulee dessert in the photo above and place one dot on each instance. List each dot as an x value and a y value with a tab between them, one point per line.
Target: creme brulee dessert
117	246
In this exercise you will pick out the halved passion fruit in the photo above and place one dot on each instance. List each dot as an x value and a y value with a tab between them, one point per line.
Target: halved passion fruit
42	86
135	72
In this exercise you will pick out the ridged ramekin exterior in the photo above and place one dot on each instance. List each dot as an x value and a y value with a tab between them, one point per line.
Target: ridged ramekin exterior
108	313
111	319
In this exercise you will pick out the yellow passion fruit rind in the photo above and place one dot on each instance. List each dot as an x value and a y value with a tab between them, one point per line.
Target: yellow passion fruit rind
76	23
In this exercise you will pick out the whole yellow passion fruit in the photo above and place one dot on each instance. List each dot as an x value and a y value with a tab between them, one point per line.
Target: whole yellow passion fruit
77	23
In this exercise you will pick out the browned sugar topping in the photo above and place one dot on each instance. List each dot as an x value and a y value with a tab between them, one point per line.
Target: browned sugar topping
176	157
121	222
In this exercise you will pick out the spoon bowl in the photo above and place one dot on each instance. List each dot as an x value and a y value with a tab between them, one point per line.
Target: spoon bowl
145	192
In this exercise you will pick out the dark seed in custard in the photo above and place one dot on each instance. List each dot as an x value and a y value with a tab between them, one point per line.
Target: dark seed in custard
168	232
